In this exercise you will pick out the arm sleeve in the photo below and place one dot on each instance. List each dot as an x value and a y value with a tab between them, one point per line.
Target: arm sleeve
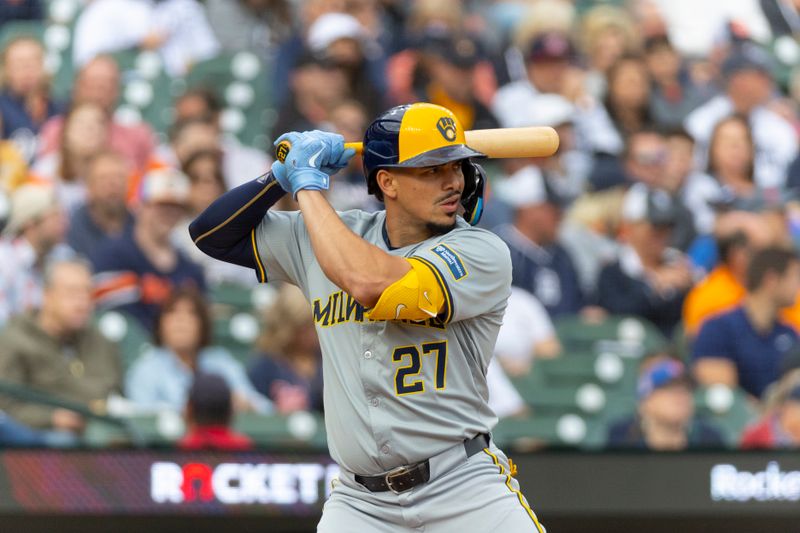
474	268
226	230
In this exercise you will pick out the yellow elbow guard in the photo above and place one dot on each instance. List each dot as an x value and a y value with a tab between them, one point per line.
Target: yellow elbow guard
415	296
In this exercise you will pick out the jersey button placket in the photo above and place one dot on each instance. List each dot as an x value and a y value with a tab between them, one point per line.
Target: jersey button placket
374	402
368	355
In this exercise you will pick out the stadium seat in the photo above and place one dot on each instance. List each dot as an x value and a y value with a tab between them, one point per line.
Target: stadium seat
241	80
129	335
607	369
529	433
237	333
300	430
730	410
21	28
627	336
147	94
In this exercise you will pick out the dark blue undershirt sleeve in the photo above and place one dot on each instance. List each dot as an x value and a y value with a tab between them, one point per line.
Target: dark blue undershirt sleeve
224	229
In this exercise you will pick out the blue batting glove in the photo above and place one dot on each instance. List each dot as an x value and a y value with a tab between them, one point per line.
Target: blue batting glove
303	164
331	160
280	173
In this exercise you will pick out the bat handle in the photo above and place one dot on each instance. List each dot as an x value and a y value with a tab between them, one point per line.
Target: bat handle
282	150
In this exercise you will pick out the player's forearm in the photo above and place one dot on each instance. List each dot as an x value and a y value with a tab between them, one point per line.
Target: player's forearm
356	266
223	230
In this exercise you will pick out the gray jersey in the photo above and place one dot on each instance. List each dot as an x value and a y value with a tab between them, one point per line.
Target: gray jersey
398	392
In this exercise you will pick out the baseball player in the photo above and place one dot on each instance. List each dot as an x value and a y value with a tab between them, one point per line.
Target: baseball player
407	304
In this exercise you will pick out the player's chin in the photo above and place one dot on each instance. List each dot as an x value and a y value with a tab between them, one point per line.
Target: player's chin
442	225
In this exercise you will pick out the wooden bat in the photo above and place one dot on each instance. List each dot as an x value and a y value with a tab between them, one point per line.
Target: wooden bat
495	143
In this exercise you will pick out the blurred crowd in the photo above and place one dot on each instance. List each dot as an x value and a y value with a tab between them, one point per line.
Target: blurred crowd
674	197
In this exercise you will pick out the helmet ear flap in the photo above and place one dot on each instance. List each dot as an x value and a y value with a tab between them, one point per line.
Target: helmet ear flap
472	197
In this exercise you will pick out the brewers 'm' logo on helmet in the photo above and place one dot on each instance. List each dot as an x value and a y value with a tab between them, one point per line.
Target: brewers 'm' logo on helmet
447	127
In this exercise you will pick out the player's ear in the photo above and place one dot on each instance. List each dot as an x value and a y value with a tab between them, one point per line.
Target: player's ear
387	182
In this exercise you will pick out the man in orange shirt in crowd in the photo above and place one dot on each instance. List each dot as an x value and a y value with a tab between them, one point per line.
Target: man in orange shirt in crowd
739	235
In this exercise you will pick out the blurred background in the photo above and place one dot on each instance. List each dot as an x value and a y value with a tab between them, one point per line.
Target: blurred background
647	373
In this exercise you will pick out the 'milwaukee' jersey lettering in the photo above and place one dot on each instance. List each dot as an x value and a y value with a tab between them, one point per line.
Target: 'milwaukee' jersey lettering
341	307
398	392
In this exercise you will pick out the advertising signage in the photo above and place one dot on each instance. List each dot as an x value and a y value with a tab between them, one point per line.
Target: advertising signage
263	484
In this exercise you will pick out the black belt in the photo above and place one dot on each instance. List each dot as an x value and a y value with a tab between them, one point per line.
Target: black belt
404	478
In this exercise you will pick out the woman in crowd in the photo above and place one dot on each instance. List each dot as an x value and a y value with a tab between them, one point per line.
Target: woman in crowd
205	171
732	157
289	369
161	377
624	110
85	134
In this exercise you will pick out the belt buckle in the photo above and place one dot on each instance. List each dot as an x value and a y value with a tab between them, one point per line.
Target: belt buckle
399	471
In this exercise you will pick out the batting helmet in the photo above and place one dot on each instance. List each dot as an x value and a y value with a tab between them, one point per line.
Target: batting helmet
422	135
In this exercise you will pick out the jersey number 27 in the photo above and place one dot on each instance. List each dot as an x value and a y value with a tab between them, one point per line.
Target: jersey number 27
404	382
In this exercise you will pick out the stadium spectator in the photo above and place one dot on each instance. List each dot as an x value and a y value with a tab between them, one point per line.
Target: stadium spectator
424	18
777	429
13	166
548	58
567	170
137	271
104	214
696	190
33	234
540	265
731	159
162	377
317	86
674	94
57	350
607	33
177	29
646	160
25	100
665	419
602	127
85	134
589	233
209	412
14	434
783	16
527	333
447	71
504	399
98	82
250	25
341	40
744	346
793	174
288	369
204	170
15	10
738	235
749	87
197	127
649	279
349	119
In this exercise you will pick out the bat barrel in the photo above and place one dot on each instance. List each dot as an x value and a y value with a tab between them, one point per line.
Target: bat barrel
514	142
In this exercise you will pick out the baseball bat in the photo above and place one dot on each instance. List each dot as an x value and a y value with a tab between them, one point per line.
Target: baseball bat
495	143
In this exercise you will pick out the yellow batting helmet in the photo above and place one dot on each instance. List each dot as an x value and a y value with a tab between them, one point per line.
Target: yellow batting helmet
418	135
